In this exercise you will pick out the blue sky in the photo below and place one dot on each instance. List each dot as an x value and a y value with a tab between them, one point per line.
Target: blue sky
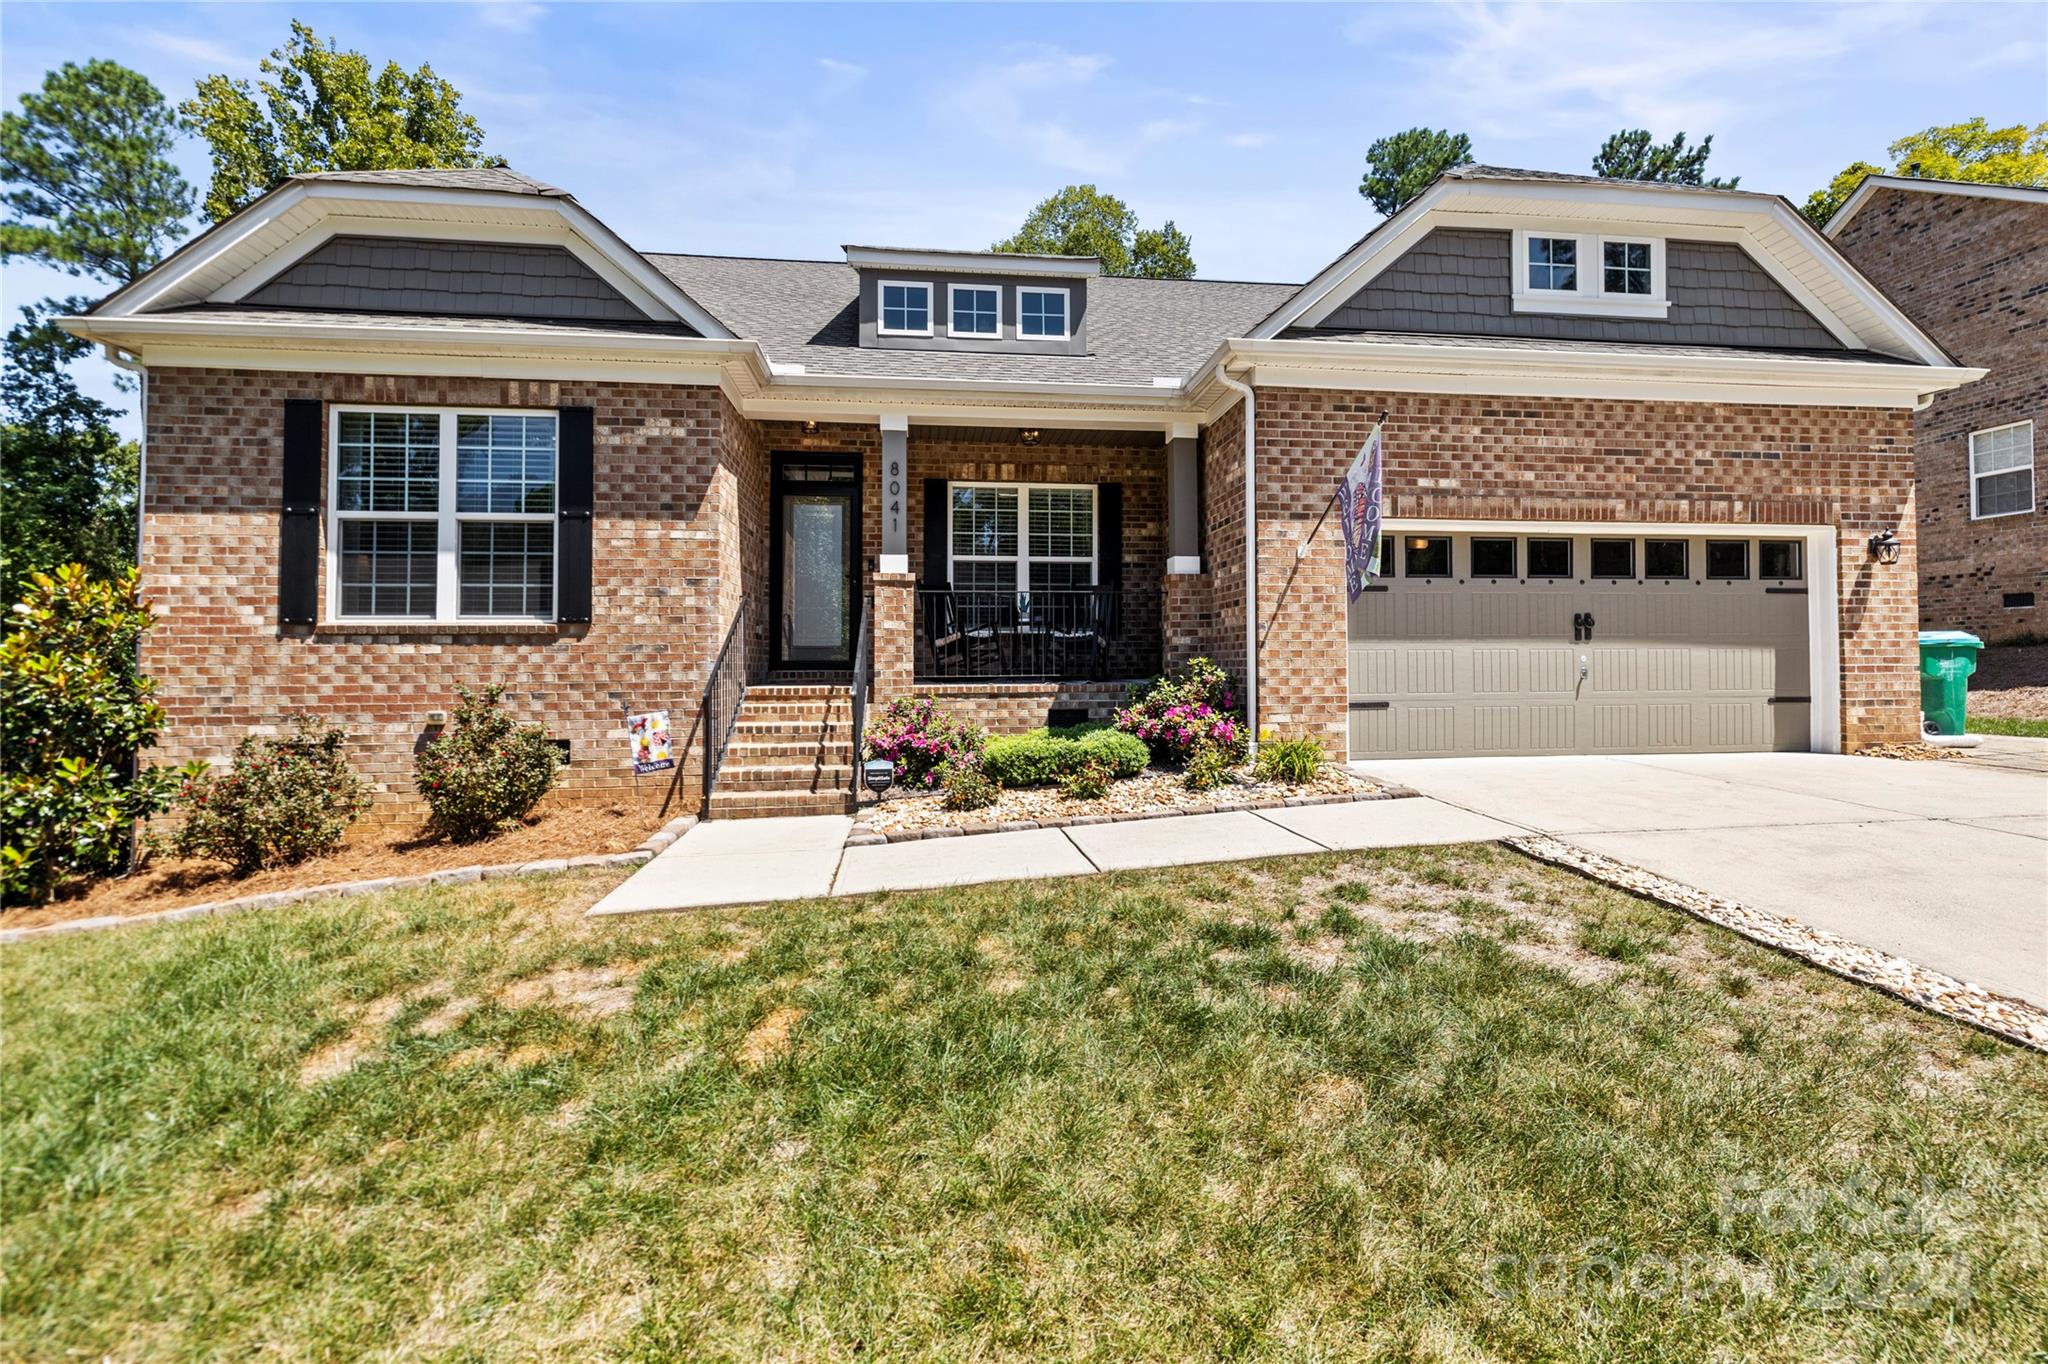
790	130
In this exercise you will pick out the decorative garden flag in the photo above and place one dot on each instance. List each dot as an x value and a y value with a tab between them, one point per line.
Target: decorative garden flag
1358	502
652	750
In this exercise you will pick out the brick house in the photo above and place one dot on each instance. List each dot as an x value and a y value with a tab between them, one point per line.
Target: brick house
410	429
1969	264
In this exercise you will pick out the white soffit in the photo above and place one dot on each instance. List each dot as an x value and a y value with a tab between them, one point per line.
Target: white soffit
1782	242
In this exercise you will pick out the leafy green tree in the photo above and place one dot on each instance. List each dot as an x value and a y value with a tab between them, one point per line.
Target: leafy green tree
1631	155
320	108
91	186
1081	220
77	710
1971	151
1401	166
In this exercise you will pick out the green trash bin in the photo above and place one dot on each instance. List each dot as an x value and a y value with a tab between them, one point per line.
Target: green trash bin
1947	658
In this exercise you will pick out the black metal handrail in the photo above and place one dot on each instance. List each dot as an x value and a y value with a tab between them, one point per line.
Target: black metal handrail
862	671
725	673
1065	633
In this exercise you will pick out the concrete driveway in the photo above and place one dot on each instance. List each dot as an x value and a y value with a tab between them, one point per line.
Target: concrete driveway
1944	863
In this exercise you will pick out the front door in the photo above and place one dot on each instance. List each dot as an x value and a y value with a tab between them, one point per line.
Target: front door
816	573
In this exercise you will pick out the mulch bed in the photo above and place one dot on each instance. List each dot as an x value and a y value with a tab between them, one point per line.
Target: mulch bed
2011	683
369	852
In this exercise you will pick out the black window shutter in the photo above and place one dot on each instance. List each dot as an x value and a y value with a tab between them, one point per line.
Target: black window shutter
937	530
575	489
298	534
1109	534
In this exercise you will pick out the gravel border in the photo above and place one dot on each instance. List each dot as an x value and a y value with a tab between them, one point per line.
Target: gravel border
2014	1020
447	876
865	835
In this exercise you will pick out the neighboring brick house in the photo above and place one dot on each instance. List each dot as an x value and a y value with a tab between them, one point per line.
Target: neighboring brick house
1969	264
405	430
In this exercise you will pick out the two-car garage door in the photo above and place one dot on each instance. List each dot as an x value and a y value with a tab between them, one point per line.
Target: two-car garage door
1531	643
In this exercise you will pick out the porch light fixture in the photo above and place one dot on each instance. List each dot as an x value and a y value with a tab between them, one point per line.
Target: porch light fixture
1884	547
810	428
1029	435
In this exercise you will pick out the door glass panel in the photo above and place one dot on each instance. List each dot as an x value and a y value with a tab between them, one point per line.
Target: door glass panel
817	547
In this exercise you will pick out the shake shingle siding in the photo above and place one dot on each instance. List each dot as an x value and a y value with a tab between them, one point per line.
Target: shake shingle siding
1460	281
474	279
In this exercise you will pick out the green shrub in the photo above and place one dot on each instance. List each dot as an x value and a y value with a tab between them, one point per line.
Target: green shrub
487	771
283	801
913	733
1047	757
76	709
1184	711
1293	761
1208	768
1089	781
967	787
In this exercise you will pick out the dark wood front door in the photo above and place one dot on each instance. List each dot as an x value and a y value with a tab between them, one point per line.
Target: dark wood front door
815	560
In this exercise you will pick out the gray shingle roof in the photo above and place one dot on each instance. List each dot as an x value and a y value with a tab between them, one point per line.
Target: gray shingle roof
804	313
1476	172
498	179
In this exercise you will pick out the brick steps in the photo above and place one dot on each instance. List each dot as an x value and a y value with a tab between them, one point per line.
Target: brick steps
791	753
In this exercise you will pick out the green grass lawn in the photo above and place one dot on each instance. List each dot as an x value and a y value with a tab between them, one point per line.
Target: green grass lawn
2001	724
1428	1104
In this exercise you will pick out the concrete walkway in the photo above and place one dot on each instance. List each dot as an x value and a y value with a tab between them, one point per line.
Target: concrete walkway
1943	863
747	861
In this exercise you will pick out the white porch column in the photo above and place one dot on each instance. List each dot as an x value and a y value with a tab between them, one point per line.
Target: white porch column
895	557
1183	500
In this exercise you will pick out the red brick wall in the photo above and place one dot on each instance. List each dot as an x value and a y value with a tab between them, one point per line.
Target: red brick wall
1973	273
1222	605
1564	460
668	465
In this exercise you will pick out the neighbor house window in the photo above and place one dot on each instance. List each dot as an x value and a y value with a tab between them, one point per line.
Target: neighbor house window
1554	263
403	548
1022	537
1042	313
1625	268
1664	558
1727	558
906	309
1493	558
1550	558
1614	558
974	310
2002	471
1778	559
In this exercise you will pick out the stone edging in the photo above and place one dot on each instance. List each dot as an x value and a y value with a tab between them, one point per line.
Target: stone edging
447	876
865	835
2012	1019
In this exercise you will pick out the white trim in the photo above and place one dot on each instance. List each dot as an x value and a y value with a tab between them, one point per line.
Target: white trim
446	518
2033	481
973	262
894	421
892	563
1968	189
955	286
1066	312
1180	565
1023	559
882	288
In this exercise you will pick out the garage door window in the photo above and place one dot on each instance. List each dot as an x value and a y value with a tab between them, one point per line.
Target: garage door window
1493	558
1727	558
1778	559
1664	558
1614	558
1428	556
1550	558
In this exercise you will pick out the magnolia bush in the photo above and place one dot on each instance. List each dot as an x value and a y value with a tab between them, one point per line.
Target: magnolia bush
1184	712
282	801
919	738
486	771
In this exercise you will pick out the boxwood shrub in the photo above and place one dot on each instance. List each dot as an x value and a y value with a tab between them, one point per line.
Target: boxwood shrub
1047	757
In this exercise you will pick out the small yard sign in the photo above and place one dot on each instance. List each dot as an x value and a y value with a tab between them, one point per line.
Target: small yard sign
651	745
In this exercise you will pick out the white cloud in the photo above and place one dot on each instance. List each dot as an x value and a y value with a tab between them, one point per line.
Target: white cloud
205	52
1005	102
509	16
1246	141
849	70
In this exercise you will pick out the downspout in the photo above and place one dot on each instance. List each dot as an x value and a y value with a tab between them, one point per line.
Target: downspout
1251	560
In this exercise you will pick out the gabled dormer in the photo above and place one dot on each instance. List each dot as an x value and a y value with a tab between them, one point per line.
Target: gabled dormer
973	300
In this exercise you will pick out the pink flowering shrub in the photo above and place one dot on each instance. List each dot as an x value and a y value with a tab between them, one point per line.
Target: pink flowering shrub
1181	713
919	738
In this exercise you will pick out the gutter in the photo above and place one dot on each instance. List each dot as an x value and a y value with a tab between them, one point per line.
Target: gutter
1251	558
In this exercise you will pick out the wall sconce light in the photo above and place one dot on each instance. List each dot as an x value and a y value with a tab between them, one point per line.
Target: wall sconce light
1884	547
1029	435
810	428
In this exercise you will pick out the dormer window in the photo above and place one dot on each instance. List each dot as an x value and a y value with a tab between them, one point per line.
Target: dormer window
975	310
1042	313
1589	273
906	309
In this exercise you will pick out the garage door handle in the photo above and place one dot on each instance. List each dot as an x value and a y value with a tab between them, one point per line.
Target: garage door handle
1371	705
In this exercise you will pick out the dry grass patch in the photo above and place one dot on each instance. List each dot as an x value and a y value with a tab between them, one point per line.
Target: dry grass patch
769	1039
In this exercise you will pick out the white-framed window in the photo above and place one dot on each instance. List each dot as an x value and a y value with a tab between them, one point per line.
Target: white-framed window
1567	271
974	309
441	514
906	308
1021	537
2002	471
1042	314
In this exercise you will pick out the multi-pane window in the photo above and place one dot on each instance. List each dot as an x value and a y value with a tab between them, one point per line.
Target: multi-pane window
1553	262
974	310
402	549
1008	538
1625	267
1042	312
2002	470
906	309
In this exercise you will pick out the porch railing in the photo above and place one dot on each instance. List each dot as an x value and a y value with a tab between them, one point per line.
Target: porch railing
723	692
858	687
1056	634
